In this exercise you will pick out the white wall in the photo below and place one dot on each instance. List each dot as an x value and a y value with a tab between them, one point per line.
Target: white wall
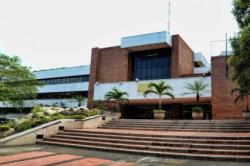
200	70
49	102
131	87
70	87
62	72
146	39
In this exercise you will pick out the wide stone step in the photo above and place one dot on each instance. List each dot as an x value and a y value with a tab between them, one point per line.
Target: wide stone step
158	135
156	143
181	122
173	124
154	148
241	121
172	129
163	154
178	126
181	140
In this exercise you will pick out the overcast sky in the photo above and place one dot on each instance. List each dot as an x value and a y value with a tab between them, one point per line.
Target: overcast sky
61	33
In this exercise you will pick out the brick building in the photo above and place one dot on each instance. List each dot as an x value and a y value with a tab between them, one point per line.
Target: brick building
160	56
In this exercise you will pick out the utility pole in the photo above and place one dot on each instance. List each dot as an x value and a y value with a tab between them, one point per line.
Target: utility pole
169	12
226	58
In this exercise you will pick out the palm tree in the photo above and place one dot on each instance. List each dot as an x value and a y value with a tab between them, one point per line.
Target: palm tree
242	93
160	89
197	88
79	99
120	97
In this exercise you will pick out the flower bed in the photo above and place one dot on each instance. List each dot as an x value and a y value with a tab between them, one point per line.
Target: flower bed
41	115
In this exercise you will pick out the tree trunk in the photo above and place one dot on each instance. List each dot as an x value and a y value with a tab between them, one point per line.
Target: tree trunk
117	106
247	104
197	98
159	102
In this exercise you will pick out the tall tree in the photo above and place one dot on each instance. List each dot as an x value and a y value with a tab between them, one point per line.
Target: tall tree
160	89
197	88
17	82
240	59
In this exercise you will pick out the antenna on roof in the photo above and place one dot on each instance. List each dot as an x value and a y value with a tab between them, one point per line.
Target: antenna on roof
169	12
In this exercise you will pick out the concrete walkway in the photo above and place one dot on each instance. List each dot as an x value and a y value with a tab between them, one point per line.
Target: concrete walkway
39	155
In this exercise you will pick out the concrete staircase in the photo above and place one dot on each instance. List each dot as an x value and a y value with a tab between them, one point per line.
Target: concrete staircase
181	125
179	143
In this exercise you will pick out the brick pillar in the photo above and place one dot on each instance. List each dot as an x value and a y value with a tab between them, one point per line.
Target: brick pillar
175	57
93	76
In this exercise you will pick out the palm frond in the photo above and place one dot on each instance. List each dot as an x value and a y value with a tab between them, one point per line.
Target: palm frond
149	91
168	94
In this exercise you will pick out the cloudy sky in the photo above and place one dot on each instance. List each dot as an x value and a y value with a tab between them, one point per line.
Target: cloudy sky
61	33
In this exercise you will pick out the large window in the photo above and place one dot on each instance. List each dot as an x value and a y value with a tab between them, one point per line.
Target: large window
153	64
65	80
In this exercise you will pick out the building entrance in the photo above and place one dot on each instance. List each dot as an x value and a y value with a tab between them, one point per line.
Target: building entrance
174	111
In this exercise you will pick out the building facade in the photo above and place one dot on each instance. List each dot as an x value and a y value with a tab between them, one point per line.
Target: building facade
150	58
157	57
60	87
137	61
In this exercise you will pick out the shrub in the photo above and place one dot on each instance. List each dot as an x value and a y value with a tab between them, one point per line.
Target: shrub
56	116
37	109
11	123
76	116
159	111
25	125
197	109
4	127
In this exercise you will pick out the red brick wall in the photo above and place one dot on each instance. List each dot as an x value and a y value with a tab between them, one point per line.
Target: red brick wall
107	65
113	65
182	57
223	106
93	75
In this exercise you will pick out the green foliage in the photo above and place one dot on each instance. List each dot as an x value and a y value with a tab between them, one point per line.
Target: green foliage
11	123
159	111
4	127
240	60
241	12
241	95
160	89
37	109
76	117
197	109
79	99
17	82
25	125
198	87
120	97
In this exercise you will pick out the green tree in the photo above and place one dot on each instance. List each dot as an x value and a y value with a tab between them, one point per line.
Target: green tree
79	99
242	94
197	88
160	89
240	60
118	96
17	82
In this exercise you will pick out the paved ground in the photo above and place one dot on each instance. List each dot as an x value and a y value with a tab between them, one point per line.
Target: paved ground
37	155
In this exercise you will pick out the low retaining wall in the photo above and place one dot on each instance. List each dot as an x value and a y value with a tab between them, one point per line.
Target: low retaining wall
48	129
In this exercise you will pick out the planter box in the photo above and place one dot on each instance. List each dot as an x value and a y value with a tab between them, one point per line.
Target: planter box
246	115
159	115
6	133
197	115
114	115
